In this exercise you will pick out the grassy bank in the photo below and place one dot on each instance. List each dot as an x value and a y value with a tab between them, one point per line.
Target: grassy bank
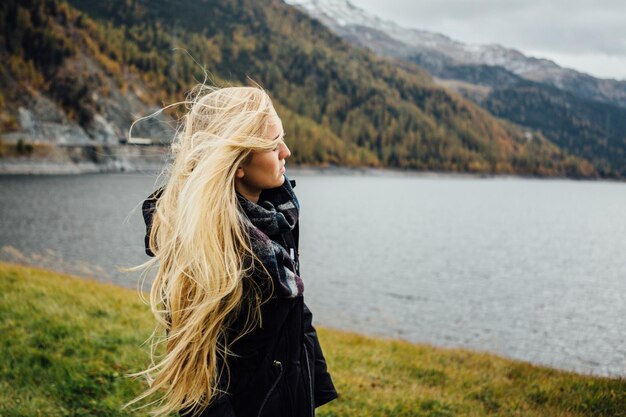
66	343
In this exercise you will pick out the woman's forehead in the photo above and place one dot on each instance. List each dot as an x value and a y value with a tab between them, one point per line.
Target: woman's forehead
274	126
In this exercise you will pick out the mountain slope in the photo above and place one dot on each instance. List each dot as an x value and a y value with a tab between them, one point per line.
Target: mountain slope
441	51
565	119
339	104
531	92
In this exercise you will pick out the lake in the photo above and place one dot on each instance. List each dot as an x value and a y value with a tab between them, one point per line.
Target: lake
532	269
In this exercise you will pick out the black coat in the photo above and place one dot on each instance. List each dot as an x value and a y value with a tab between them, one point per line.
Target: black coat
279	370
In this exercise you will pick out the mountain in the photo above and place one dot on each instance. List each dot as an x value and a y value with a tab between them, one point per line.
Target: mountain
436	51
91	62
582	114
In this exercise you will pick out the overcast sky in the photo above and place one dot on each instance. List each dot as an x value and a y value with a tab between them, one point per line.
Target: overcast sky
589	36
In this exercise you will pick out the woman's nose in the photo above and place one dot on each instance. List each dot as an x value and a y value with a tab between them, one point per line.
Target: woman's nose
285	151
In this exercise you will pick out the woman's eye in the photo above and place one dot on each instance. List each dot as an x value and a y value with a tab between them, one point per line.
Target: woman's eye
278	146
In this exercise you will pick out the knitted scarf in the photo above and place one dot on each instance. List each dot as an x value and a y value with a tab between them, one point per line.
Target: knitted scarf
275	215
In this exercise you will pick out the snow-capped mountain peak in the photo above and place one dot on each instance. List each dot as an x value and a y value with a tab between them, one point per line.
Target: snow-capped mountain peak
341	15
436	52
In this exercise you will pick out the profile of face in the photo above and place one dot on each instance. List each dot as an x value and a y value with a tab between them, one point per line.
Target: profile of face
264	169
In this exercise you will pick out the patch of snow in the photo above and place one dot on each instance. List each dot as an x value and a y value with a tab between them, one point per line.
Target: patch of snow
342	13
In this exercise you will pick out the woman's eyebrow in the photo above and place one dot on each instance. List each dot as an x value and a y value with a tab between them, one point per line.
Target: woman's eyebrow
279	135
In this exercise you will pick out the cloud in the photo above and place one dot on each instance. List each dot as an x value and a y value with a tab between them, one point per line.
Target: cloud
591	33
600	65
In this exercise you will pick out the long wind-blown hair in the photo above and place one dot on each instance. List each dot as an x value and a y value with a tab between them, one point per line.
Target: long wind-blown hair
201	248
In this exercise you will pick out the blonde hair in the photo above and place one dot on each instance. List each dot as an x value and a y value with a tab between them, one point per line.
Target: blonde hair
200	243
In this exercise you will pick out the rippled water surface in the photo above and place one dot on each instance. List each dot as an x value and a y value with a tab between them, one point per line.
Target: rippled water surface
531	269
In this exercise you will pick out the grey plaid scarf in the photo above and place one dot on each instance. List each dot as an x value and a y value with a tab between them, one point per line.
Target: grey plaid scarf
275	215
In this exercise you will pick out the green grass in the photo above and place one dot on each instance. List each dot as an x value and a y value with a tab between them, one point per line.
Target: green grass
66	344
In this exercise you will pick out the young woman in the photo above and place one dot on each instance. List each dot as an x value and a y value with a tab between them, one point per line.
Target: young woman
228	293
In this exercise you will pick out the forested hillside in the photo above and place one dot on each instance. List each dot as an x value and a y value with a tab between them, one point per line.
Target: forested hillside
591	129
587	128
339	104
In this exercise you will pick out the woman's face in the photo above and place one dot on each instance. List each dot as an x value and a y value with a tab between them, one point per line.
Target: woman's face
265	168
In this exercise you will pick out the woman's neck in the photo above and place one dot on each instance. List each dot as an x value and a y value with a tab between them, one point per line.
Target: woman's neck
250	194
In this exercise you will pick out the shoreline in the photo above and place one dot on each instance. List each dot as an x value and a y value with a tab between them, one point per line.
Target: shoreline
26	167
72	343
398	172
389	338
16	167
